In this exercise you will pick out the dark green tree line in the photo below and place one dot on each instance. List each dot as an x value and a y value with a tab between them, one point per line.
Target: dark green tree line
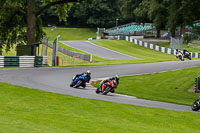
127	10
95	13
172	13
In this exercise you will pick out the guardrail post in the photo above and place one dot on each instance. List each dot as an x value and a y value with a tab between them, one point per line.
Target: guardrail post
55	51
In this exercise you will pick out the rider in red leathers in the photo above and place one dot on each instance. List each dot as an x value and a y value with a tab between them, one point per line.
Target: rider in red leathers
116	78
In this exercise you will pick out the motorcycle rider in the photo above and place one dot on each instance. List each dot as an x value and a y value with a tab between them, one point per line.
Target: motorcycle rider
178	52
116	78
87	74
186	53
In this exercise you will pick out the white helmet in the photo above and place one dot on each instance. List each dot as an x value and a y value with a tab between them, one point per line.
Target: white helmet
117	77
88	72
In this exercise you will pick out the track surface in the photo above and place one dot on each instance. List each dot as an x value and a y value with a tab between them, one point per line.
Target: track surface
96	50
57	80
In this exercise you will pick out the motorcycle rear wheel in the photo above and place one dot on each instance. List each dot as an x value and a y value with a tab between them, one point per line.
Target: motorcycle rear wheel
107	89
78	84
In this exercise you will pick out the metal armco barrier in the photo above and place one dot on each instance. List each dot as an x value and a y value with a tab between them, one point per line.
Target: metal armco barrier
23	61
70	53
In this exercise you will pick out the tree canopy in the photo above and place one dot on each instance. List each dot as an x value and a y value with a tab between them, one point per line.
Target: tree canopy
172	13
20	20
95	13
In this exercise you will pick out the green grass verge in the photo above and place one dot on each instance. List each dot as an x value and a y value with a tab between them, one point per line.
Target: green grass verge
70	33
128	48
64	60
28	110
169	86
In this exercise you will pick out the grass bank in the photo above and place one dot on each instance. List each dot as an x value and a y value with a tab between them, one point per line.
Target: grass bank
128	48
28	110
64	60
169	86
69	33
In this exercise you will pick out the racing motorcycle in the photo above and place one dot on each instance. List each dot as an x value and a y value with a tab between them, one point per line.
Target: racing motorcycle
109	86
187	55
180	56
196	105
79	81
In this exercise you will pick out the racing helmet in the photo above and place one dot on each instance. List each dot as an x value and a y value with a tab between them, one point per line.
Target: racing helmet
117	77
88	72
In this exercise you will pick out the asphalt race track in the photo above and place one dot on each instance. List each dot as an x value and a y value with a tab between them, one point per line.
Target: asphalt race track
57	80
96	50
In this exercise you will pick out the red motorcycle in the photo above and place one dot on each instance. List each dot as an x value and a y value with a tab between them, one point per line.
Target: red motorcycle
108	87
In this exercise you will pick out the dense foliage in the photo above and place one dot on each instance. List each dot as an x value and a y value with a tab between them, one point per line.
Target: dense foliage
95	13
172	13
21	23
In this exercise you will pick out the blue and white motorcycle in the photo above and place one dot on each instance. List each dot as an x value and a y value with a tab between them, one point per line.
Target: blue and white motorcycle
79	81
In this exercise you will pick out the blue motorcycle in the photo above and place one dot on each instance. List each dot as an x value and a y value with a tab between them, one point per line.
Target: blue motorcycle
79	81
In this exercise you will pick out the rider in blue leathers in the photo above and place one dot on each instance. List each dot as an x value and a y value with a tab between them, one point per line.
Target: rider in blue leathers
88	76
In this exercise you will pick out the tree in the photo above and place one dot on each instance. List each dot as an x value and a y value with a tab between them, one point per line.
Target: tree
128	7
182	13
95	13
12	21
155	10
191	11
158	13
172	13
20	20
142	11
175	17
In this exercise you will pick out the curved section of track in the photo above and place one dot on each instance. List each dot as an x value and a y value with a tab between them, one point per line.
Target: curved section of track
97	50
57	80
